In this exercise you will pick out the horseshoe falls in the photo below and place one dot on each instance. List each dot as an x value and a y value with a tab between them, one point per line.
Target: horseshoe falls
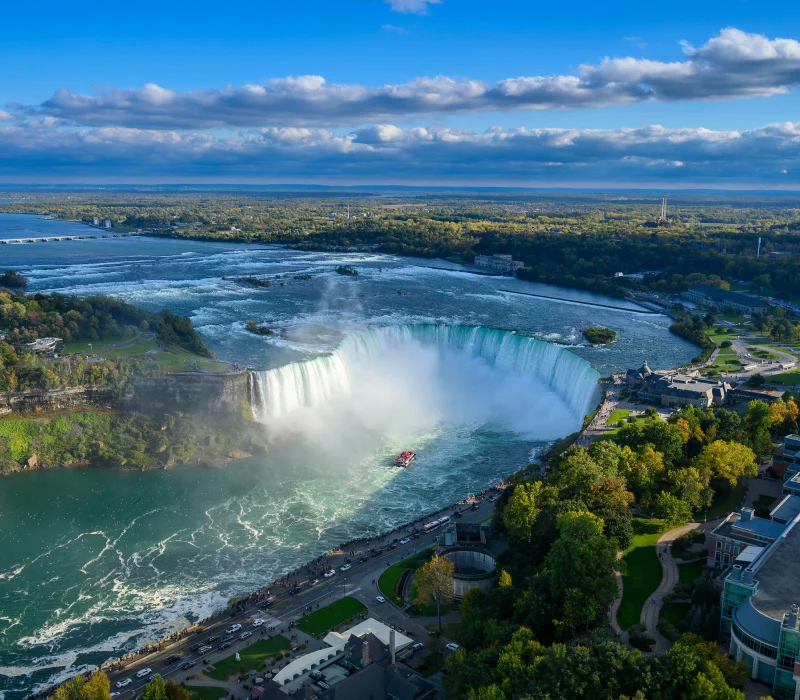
402	380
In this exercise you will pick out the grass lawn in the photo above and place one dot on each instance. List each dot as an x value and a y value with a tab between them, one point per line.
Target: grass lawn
205	692
786	378
642	571
98	346
762	352
674	613
723	334
139	348
428	610
325	619
251	658
689	573
725	501
618	414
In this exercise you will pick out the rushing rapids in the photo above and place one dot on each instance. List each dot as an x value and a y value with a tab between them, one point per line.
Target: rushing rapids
508	357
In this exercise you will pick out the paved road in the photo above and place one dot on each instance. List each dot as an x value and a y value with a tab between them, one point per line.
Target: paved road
358	581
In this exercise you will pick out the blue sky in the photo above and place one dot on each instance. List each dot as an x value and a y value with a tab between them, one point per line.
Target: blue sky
520	93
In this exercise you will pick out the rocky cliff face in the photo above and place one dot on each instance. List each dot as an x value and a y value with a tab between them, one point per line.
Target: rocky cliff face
57	400
220	396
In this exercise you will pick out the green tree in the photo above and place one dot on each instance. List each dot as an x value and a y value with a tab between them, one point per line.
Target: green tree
756	424
156	689
578	570
434	581
671	509
522	509
504	581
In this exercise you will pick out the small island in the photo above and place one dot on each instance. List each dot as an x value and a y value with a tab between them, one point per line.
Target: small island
599	336
347	270
258	329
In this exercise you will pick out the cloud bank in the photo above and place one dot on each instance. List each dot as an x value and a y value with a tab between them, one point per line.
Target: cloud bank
46	151
732	65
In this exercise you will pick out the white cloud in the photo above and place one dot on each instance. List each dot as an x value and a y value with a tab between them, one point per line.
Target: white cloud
386	153
731	65
412	7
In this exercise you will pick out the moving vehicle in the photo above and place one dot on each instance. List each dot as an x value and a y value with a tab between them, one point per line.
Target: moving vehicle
188	665
204	650
380	599
405	540
229	638
214	638
346	567
258	623
233	628
330	573
404	458
224	645
144	673
124	682
172	659
245	635
417	646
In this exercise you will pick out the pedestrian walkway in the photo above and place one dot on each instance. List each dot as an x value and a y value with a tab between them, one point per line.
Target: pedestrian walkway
670	576
622	635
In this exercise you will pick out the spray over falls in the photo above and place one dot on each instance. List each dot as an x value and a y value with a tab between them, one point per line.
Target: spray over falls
405	379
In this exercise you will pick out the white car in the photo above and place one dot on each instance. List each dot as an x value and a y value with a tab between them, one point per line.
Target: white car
114	694
380	599
233	628
124	682
405	540
452	646
144	672
330	573
258	623
346	567
245	635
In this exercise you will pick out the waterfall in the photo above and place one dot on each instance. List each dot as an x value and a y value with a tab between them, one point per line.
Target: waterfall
278	392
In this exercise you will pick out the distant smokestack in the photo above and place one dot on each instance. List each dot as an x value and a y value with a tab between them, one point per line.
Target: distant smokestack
392	644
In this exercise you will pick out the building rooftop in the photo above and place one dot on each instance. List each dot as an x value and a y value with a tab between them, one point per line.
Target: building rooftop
757	623
752	531
777	574
787	510
724	295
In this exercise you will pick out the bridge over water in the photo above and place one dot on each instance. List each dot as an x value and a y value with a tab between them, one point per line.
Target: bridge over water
59	239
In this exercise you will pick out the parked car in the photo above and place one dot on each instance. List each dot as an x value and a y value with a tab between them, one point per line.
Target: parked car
144	673
380	599
452	646
114	694
417	646
124	682
233	628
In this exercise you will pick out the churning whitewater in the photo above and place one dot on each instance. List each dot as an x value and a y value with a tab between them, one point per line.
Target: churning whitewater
405	380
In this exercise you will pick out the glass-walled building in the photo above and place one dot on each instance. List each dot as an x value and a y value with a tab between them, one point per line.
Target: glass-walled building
759	622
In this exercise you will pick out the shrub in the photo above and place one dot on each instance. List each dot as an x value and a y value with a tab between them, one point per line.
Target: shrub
640	638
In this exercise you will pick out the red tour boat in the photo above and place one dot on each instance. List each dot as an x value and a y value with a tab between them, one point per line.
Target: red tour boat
404	458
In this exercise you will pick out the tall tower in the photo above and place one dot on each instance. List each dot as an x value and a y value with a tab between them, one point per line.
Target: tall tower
663	217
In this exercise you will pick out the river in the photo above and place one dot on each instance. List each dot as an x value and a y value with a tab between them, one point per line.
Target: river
467	370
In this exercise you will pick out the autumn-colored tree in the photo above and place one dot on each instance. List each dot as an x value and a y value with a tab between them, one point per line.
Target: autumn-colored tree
731	461
434	581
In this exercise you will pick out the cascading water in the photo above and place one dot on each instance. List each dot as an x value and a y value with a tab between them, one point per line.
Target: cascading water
432	368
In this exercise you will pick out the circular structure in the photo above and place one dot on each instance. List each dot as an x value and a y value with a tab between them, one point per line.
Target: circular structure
474	567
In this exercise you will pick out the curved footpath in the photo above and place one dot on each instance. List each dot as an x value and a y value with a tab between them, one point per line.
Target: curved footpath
670	576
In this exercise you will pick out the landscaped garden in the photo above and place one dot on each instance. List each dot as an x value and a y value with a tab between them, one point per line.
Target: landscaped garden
333	615
641	572
251	658
390	578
